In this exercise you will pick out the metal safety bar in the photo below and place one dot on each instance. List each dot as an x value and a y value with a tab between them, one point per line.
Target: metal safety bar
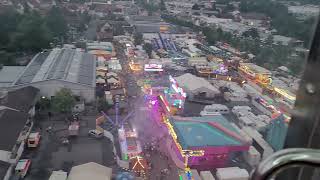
284	159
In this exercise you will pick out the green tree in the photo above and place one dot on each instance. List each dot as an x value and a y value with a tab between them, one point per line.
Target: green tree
102	104
269	40
195	7
63	101
32	34
148	48
56	22
162	6
252	32
138	38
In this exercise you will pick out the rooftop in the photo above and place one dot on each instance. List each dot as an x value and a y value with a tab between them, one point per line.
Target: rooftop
8	74
21	99
205	131
4	166
256	68
193	82
194	134
60	64
11	124
90	170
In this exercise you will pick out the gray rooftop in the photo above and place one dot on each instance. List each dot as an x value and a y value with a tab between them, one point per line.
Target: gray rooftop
8	74
60	64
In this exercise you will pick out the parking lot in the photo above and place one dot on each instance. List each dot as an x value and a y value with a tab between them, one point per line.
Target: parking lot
51	154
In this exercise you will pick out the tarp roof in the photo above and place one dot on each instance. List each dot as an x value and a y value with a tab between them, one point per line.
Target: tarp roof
90	171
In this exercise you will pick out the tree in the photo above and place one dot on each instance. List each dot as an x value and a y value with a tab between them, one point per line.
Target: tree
195	7
269	40
138	38
63	101
32	34
252	32
148	48
162	6
56	22
102	104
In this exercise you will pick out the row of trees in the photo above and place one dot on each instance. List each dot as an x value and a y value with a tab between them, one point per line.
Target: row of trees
30	32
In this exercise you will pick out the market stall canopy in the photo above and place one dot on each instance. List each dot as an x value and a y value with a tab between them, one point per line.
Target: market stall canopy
90	171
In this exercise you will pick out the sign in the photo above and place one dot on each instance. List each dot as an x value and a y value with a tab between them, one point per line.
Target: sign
153	67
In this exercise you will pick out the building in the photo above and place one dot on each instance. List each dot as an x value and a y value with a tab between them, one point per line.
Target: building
105	33
262	146
196	87
90	170
148	24
103	49
206	175
53	70
193	61
234	93
16	112
304	12
277	132
210	139
114	65
232	173
214	109
255	73
252	157
8	74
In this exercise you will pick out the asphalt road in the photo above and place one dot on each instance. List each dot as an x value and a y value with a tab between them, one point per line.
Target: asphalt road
53	155
144	123
90	34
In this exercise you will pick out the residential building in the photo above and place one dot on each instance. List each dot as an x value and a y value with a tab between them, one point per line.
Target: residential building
105	33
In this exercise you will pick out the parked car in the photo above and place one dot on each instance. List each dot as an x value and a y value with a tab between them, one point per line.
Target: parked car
95	133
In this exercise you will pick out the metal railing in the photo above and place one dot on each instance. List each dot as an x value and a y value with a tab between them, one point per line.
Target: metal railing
284	159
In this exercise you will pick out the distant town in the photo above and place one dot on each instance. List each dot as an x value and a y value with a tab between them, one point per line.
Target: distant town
147	89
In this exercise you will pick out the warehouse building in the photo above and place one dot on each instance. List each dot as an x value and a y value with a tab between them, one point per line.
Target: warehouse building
196	87
53	70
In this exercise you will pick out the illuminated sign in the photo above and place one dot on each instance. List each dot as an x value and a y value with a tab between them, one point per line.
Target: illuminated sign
153	67
176	88
285	94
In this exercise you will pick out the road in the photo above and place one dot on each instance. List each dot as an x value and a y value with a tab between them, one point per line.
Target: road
90	34
144	122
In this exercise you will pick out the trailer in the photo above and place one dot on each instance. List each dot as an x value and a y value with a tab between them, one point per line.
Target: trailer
22	167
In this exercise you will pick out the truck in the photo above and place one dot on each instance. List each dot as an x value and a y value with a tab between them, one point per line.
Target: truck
33	140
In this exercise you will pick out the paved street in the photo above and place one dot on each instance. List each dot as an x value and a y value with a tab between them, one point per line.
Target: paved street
145	124
90	34
53	155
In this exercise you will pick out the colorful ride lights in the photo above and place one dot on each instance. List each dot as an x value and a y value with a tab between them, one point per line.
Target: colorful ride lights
165	103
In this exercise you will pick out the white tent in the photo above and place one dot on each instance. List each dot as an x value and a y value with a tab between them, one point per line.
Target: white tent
90	170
